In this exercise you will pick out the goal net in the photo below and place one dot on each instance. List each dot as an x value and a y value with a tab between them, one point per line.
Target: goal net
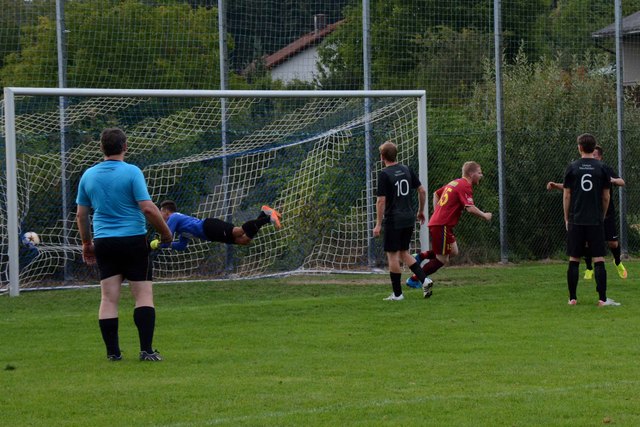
313	156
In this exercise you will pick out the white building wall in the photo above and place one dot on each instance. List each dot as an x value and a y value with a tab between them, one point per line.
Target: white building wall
631	62
301	67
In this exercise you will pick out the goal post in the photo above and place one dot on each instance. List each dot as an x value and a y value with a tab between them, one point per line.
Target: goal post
299	151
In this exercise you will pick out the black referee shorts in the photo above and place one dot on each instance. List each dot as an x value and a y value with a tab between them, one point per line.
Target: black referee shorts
128	256
397	239
591	235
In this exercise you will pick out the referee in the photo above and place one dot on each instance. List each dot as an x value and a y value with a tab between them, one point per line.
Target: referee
117	193
585	201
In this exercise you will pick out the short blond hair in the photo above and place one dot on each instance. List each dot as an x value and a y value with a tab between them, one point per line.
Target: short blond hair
389	151
470	167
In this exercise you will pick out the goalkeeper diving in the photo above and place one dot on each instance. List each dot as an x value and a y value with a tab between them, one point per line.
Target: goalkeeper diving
211	229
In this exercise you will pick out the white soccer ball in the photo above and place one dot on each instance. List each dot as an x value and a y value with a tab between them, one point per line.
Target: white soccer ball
31	237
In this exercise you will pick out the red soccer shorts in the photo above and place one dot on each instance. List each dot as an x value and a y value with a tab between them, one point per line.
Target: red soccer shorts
442	239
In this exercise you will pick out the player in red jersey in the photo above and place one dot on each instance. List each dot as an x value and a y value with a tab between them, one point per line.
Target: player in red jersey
449	202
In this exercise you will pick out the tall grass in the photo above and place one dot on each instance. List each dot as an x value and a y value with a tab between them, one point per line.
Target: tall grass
495	346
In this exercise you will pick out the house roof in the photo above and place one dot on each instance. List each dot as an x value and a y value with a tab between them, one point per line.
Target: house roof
630	26
300	44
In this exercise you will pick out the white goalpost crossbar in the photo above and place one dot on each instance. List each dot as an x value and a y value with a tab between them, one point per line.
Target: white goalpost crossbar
10	94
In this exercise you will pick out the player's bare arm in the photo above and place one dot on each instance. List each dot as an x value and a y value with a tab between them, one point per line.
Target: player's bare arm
554	186
472	209
422	199
84	228
436	200
566	203
153	215
380	204
618	182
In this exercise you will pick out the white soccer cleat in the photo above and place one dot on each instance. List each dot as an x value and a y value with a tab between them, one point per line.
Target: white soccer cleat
393	297
608	302
427	288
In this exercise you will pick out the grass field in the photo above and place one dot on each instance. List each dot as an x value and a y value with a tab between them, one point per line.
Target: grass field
495	346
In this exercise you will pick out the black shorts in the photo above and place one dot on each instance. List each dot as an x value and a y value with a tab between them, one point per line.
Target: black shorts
397	239
217	230
610	229
580	235
128	256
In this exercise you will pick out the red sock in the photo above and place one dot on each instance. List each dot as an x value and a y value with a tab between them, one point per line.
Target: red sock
432	266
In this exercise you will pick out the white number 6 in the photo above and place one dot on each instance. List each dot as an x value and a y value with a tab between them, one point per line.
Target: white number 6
586	183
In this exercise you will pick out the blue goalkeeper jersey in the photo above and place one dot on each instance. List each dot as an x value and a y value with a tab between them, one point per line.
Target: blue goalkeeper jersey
187	227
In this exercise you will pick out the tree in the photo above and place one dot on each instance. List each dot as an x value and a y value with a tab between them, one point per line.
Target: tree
547	104
124	44
431	44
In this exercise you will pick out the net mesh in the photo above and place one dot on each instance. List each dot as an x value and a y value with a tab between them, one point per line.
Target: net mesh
304	157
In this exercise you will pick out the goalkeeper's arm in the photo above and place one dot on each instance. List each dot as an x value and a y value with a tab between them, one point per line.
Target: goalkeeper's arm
180	245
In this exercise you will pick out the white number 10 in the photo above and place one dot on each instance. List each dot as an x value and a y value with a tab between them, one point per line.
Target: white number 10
402	187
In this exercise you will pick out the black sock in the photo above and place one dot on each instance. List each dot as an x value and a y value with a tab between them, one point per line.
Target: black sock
616	254
600	274
395	283
418	272
432	266
145	320
252	227
109	329
572	279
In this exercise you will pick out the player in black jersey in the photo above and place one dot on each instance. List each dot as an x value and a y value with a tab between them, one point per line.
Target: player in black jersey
585	200
393	203
610	228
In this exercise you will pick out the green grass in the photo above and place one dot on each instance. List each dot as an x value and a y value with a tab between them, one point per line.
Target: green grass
495	346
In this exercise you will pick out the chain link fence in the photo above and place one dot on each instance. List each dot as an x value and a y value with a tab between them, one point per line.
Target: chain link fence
557	73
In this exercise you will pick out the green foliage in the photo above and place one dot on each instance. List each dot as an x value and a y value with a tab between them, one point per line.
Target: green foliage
123	44
546	106
434	58
567	28
37	57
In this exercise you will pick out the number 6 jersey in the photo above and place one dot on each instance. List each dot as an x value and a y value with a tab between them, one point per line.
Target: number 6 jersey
586	178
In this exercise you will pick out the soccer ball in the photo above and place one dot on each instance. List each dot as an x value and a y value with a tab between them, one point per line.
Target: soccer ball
31	237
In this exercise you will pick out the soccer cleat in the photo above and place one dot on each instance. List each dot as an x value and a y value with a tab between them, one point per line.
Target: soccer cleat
154	356
427	288
413	283
588	274
573	302
622	272
114	357
608	302
393	297
273	215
